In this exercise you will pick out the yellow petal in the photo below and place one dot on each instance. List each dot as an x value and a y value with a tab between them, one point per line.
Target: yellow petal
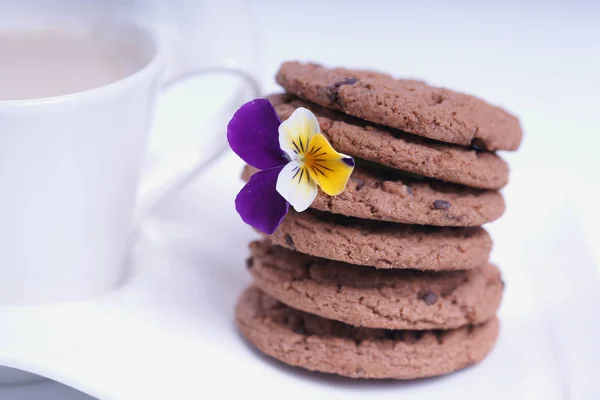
328	168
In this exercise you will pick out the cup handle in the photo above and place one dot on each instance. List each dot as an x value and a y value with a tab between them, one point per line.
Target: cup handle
177	170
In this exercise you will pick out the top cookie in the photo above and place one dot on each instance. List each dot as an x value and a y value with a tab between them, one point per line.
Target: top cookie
409	105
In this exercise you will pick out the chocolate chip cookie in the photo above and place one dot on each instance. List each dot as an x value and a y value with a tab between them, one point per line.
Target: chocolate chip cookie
382	244
384	195
410	105
311	342
360	296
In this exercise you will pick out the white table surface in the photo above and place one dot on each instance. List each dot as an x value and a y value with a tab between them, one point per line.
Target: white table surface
169	333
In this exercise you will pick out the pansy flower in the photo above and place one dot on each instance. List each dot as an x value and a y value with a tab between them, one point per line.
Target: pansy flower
293	157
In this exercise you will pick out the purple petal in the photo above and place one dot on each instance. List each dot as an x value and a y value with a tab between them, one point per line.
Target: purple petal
253	135
259	204
349	161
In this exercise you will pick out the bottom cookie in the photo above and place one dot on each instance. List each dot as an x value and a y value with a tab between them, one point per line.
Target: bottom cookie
317	344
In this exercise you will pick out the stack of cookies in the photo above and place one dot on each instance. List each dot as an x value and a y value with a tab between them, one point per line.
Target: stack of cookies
389	279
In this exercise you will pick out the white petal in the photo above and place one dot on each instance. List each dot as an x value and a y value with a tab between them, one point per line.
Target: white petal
296	131
296	186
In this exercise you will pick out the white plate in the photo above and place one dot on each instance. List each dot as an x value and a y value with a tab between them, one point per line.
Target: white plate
169	333
46	390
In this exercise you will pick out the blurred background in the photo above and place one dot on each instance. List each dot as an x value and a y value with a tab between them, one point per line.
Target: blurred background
538	59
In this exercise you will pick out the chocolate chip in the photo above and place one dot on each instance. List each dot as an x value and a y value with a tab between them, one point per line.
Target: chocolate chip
300	330
438	99
331	93
429	298
332	90
359	184
478	145
409	190
441	204
249	262
346	81
289	241
339	287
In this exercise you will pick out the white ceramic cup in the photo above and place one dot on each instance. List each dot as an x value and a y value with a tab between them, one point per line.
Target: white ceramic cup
70	169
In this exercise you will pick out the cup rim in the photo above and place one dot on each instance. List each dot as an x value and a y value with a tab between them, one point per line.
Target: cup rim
148	68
